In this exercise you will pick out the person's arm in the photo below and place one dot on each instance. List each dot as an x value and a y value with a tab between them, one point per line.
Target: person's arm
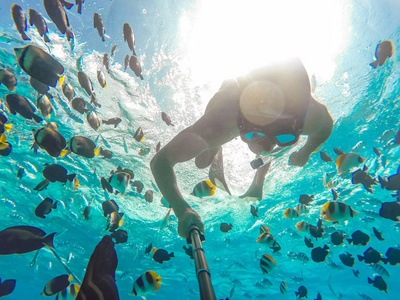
318	126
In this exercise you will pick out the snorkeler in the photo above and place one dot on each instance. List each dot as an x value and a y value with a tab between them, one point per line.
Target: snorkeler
271	106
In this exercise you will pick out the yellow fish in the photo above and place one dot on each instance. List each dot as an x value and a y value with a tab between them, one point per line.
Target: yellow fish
346	162
337	211
203	189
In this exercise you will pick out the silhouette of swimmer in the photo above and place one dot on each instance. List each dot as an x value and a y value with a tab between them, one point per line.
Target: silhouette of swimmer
99	280
271	106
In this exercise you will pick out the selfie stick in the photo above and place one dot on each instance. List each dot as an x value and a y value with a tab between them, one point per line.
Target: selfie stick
202	270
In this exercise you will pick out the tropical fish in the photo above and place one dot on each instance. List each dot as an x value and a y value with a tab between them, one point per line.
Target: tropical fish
225	227
302	257
166	119
188	251
82	146
40	87
308	242
325	157
148	196
267	263
315	231
390	210
49	140
266	239
79	6
101	79
105	153
120	236
112	121
109	206
68	91
254	211
86	212
138	185
335	195
114	221
79	105
302	292
134	64
337	238
86	84
143	151
371	256
113	49
164	222
392	183
319	297
204	188
392	256
346	162
44	105
106	62
319	254
40	65
291	213
347	259
129	37
264	228
383	50
283	287
8	79
361	176
56	12
3	126
380	270
306	199
301	208
98	23
56	285
337	211
99	279
148	248
379	283
139	136
161	255
7	287
19	104
19	19
378	234
23	239
21	173
53	173
356	273
147	283
45	207
359	237
93	119
36	19
126	62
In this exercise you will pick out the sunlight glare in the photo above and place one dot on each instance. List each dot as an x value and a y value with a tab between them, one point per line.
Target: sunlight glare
226	38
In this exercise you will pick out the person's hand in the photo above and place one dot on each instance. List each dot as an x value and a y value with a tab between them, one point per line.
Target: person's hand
298	159
189	218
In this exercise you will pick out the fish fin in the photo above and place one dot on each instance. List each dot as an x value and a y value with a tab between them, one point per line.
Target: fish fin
142	139
374	64
360	258
64	153
370	280
61	80
54	206
361	159
102	38
97	151
120	223
339	160
25	37
350	241
7	127
71	177
69	34
171	254
3	139
37	118
42	185
46	38
105	87
66	4
48	240
384	260
141	77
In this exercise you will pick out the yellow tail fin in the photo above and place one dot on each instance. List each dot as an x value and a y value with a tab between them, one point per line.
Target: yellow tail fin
61	80
7	127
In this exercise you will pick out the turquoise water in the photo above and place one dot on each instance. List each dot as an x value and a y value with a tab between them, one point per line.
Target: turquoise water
183	65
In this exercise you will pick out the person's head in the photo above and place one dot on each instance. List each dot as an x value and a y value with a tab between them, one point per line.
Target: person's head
262	120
